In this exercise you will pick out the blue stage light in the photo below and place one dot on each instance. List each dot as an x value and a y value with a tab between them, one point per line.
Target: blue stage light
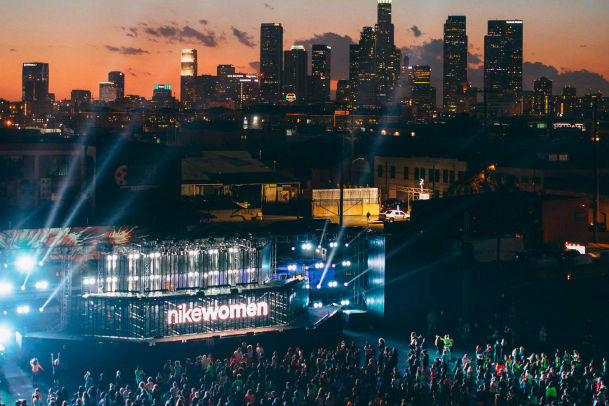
5	334
5	288
25	263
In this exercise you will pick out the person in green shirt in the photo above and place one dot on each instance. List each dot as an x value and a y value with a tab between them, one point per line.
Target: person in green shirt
550	391
138	372
448	345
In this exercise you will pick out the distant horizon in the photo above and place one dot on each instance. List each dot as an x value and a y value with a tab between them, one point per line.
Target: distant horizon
83	42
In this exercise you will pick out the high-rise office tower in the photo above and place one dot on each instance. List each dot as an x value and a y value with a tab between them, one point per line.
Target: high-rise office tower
225	70
107	91
353	61
542	97
271	67
387	55
367	69
188	62
224	81
161	93
455	64
118	78
35	82
511	32
422	93
503	66
295	72
321	67
188	76
542	85
80	96
348	92
404	88
568	102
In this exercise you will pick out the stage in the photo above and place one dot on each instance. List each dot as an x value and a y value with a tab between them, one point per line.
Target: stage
313	319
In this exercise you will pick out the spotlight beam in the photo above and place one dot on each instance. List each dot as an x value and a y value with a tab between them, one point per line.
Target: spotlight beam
84	195
323	233
357	236
331	257
416	271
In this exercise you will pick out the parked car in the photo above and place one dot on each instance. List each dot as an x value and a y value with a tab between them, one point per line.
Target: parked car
394	215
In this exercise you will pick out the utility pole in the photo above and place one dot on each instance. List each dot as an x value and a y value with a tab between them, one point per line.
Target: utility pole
595	141
342	181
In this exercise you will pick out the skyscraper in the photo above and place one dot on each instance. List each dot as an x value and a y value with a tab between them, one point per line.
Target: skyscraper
161	93
271	54
455	64
321	67
118	78
511	32
107	91
353	61
188	62
422	92
568	102
188	76
80	96
224	81
387	55
367	69
542	97
35	82
295	72
503	66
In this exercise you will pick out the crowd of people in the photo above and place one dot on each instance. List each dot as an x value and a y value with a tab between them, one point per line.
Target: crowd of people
492	375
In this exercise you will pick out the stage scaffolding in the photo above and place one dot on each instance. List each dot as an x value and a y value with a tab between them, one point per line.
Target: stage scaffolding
173	266
137	285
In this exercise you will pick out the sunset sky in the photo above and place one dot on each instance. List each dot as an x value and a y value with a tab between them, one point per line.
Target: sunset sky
84	39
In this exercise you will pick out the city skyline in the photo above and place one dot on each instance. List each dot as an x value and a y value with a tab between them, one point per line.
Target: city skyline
146	46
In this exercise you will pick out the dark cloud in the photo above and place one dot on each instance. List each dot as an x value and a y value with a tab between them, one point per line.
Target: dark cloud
132	74
255	65
205	38
173	33
131	31
430	53
203	21
582	79
416	31
244	38
583	46
126	50
475	59
267	5
340	51
12	50
151	31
